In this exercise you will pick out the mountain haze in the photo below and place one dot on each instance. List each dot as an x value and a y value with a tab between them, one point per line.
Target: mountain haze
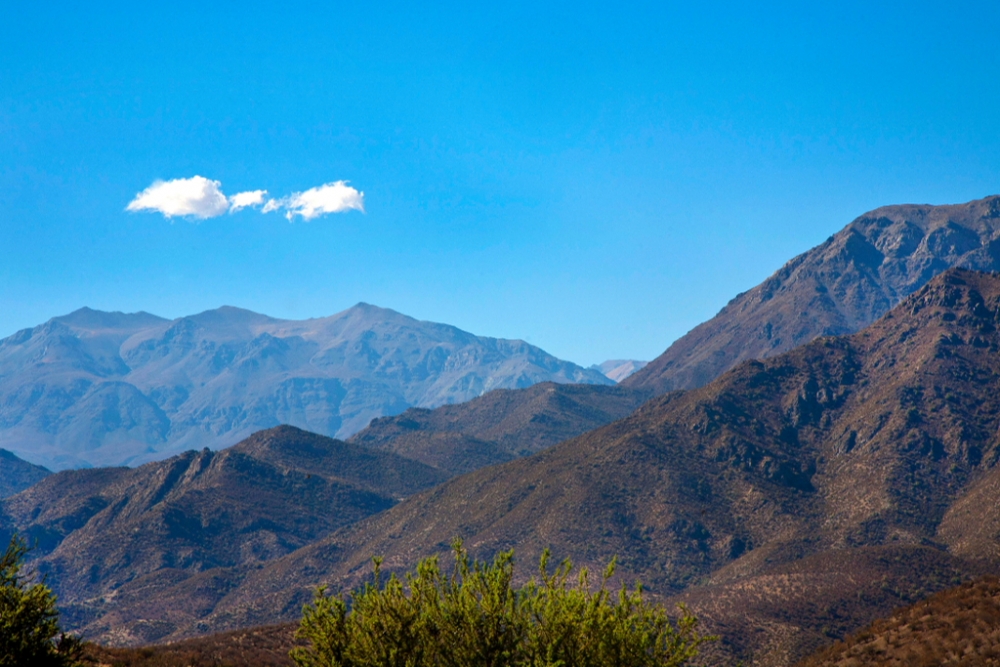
838	287
841	479
94	388
619	369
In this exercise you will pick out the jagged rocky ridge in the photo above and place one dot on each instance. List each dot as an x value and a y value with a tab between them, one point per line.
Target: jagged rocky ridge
838	287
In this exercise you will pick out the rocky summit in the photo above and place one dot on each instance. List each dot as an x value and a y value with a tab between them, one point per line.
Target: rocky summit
838	287
95	388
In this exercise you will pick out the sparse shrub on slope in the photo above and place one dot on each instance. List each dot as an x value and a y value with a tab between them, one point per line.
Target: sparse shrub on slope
958	627
477	618
29	620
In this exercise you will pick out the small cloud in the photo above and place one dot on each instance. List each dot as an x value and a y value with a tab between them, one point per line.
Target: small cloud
201	197
335	197
242	200
197	196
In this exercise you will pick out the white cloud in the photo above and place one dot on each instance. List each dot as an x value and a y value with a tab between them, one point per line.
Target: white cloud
200	197
242	200
335	197
197	196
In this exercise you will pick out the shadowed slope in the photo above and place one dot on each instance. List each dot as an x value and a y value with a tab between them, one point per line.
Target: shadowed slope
168	539
838	287
500	425
16	475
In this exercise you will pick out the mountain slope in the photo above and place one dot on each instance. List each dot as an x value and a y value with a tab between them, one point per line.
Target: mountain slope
112	536
500	425
838	287
885	439
95	388
959	627
16	475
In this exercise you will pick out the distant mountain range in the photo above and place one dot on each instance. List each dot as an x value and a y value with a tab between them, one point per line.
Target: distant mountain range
95	388
619	369
838	287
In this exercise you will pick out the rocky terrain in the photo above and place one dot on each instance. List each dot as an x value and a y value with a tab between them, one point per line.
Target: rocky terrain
958	627
838	287
501	425
94	388
788	502
135	552
190	528
266	646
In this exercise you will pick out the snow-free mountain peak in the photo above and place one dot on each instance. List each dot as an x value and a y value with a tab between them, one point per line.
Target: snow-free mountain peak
94	388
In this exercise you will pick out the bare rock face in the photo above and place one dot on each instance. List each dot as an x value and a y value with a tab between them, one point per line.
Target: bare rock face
838	287
94	388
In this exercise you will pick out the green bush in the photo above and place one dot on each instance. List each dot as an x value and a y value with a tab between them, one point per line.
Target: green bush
29	620
477	618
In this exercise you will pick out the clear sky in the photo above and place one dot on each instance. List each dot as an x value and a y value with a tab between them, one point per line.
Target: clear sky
595	178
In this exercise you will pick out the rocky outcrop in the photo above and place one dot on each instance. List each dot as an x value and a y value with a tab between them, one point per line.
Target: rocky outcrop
838	287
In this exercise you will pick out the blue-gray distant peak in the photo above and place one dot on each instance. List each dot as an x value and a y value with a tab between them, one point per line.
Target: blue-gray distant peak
90	319
93	388
228	316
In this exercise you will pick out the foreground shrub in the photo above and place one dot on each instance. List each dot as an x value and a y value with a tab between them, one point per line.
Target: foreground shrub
477	618
29	620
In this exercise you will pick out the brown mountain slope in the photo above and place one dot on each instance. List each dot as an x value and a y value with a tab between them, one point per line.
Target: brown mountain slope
838	287
182	529
266	646
500	425
16	475
959	627
873	440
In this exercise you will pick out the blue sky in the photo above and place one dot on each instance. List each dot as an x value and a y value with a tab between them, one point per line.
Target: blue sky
594	178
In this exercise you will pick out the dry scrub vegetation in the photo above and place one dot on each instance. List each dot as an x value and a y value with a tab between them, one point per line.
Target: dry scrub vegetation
258	647
958	627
